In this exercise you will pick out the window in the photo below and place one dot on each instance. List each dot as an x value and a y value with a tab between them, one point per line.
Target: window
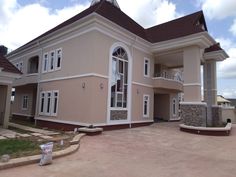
49	103
174	106
146	105
45	63
52	61
19	66
146	67
25	100
58	59
55	103
42	102
119	79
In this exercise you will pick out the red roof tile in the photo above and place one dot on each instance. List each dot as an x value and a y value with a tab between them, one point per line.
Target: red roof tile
177	28
213	48
8	66
180	27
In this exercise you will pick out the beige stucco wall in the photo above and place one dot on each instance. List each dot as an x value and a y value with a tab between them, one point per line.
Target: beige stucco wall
229	113
77	104
31	91
137	102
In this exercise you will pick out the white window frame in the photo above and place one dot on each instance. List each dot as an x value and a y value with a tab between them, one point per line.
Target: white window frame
148	105
53	103
45	61
56	61
25	97
146	63
46	104
50	61
40	103
21	66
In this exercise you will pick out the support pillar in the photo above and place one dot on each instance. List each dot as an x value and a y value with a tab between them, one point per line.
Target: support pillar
193	111
214	115
7	106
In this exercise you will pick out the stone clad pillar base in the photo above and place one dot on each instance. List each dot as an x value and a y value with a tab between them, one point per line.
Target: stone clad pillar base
194	114
217	116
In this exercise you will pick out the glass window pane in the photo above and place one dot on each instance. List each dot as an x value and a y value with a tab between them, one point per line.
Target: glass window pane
113	96
126	72
120	66
119	100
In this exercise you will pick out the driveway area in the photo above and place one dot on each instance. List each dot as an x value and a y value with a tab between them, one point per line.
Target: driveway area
160	150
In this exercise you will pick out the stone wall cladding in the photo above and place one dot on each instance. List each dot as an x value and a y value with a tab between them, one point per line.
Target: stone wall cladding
119	115
217	116
193	115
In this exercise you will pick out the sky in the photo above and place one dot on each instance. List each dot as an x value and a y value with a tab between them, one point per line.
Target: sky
23	20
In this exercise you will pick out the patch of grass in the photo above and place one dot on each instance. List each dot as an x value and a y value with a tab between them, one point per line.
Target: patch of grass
18	147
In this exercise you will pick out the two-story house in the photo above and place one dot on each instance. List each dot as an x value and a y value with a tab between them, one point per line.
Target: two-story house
101	67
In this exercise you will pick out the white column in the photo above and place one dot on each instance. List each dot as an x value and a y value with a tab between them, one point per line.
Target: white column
192	74
7	106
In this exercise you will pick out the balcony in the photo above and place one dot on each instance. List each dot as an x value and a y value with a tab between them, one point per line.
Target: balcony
167	81
30	75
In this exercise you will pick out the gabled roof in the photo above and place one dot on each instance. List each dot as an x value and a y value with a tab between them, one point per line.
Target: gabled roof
221	99
187	25
8	66
181	27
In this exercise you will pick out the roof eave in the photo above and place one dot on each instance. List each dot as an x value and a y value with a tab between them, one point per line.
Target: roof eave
219	55
202	39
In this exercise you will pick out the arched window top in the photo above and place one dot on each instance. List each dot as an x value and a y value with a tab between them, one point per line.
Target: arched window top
119	52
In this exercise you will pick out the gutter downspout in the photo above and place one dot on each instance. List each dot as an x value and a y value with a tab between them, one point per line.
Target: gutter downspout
38	82
132	55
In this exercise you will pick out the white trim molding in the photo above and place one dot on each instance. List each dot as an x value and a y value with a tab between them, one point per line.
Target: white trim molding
192	84
74	77
194	103
129	82
143	85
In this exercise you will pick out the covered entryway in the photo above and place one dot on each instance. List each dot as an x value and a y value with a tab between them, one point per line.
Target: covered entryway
8	73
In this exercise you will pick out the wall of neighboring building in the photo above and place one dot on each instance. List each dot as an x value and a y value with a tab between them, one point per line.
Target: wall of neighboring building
228	113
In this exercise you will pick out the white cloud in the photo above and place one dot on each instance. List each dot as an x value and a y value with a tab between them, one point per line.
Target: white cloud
150	12
228	93
233	28
219	9
20	24
226	69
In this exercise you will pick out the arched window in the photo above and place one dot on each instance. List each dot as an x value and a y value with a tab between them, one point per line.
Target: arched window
33	65
119	78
